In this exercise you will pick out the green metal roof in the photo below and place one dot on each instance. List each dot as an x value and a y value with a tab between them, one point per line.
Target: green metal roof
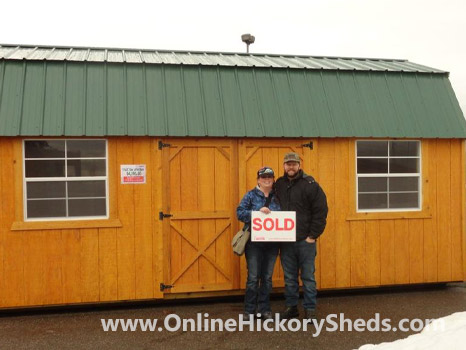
64	98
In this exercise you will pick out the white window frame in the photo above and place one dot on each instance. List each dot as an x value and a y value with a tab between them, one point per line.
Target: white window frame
388	157
65	179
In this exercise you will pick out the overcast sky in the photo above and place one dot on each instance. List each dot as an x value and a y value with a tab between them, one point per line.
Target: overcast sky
429	32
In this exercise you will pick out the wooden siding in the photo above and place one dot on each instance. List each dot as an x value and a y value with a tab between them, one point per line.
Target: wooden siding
200	182
87	264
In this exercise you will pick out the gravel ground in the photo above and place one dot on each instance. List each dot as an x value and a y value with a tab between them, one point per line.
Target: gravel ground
81	328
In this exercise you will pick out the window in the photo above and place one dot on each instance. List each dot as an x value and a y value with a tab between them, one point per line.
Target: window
388	175
65	179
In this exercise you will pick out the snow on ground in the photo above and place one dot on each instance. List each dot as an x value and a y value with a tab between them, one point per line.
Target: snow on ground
444	333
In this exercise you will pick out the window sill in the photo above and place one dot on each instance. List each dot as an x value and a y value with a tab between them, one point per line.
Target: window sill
59	225
390	215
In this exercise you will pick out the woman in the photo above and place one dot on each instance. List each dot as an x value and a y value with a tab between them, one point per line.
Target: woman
260	256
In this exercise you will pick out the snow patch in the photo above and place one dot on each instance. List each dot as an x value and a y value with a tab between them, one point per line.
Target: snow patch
444	333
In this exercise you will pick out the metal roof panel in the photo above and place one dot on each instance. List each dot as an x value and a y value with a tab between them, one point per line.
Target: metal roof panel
114	56
133	56
59	55
78	55
228	59
96	56
72	98
20	54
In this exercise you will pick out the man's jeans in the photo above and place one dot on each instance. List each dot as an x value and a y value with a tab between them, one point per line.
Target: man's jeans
296	256
260	258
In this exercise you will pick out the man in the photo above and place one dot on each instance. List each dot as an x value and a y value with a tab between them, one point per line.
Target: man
299	192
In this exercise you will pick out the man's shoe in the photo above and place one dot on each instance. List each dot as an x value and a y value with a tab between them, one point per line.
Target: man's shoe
310	314
290	312
267	315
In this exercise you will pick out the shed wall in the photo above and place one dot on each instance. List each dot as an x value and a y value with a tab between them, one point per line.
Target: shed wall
127	257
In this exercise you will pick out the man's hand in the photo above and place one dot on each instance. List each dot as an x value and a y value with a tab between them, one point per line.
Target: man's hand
264	210
310	240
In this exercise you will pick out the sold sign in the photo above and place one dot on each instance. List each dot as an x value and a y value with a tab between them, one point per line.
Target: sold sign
278	226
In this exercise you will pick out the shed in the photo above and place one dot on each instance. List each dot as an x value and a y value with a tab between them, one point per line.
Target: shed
121	169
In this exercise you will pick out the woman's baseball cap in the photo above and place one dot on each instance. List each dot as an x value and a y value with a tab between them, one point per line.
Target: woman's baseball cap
265	171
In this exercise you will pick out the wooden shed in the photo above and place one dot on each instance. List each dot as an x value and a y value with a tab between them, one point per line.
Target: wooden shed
121	170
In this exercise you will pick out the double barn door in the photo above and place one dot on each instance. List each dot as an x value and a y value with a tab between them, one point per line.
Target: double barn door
202	184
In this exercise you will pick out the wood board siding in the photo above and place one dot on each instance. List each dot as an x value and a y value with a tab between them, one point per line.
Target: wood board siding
87	264
66	264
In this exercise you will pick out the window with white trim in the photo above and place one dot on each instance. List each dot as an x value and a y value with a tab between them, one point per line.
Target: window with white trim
65	179
388	175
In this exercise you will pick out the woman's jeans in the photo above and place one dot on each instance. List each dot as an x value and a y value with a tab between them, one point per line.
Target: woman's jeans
299	257
260	258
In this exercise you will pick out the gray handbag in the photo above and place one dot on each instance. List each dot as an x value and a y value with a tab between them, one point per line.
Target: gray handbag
239	241
242	237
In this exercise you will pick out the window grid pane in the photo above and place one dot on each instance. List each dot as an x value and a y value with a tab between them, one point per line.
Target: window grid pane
39	180
403	187
46	209
85	148
373	201
51	149
372	148
46	190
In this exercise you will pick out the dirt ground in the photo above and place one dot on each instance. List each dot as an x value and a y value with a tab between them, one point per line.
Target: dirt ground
81	328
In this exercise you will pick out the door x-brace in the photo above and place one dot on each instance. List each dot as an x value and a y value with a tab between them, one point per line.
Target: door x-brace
201	252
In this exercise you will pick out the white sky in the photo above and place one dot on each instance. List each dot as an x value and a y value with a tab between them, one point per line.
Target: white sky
429	32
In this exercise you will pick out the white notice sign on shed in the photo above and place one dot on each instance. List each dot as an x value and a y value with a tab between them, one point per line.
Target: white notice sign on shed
133	174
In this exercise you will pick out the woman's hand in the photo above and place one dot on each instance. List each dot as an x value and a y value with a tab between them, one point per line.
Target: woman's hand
264	210
310	240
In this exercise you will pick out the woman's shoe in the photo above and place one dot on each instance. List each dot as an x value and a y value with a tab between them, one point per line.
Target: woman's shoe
247	316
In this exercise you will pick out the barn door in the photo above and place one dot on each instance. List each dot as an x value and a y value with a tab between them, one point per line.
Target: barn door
199	188
254	154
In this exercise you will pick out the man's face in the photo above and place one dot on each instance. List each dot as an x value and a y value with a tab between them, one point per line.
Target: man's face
291	168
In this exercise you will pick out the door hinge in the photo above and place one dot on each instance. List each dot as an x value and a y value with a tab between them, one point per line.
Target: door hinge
162	145
165	286
310	145
162	215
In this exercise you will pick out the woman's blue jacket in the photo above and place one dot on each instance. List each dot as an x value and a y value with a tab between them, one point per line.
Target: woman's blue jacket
253	201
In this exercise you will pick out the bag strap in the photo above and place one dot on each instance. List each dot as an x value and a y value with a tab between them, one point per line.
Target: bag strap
268	200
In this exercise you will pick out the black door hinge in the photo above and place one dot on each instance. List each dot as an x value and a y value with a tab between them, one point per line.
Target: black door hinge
162	145
310	145
162	215
165	286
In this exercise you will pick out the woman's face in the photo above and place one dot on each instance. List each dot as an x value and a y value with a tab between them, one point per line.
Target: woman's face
265	181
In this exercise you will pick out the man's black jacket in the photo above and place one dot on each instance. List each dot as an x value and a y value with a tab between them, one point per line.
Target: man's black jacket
304	196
